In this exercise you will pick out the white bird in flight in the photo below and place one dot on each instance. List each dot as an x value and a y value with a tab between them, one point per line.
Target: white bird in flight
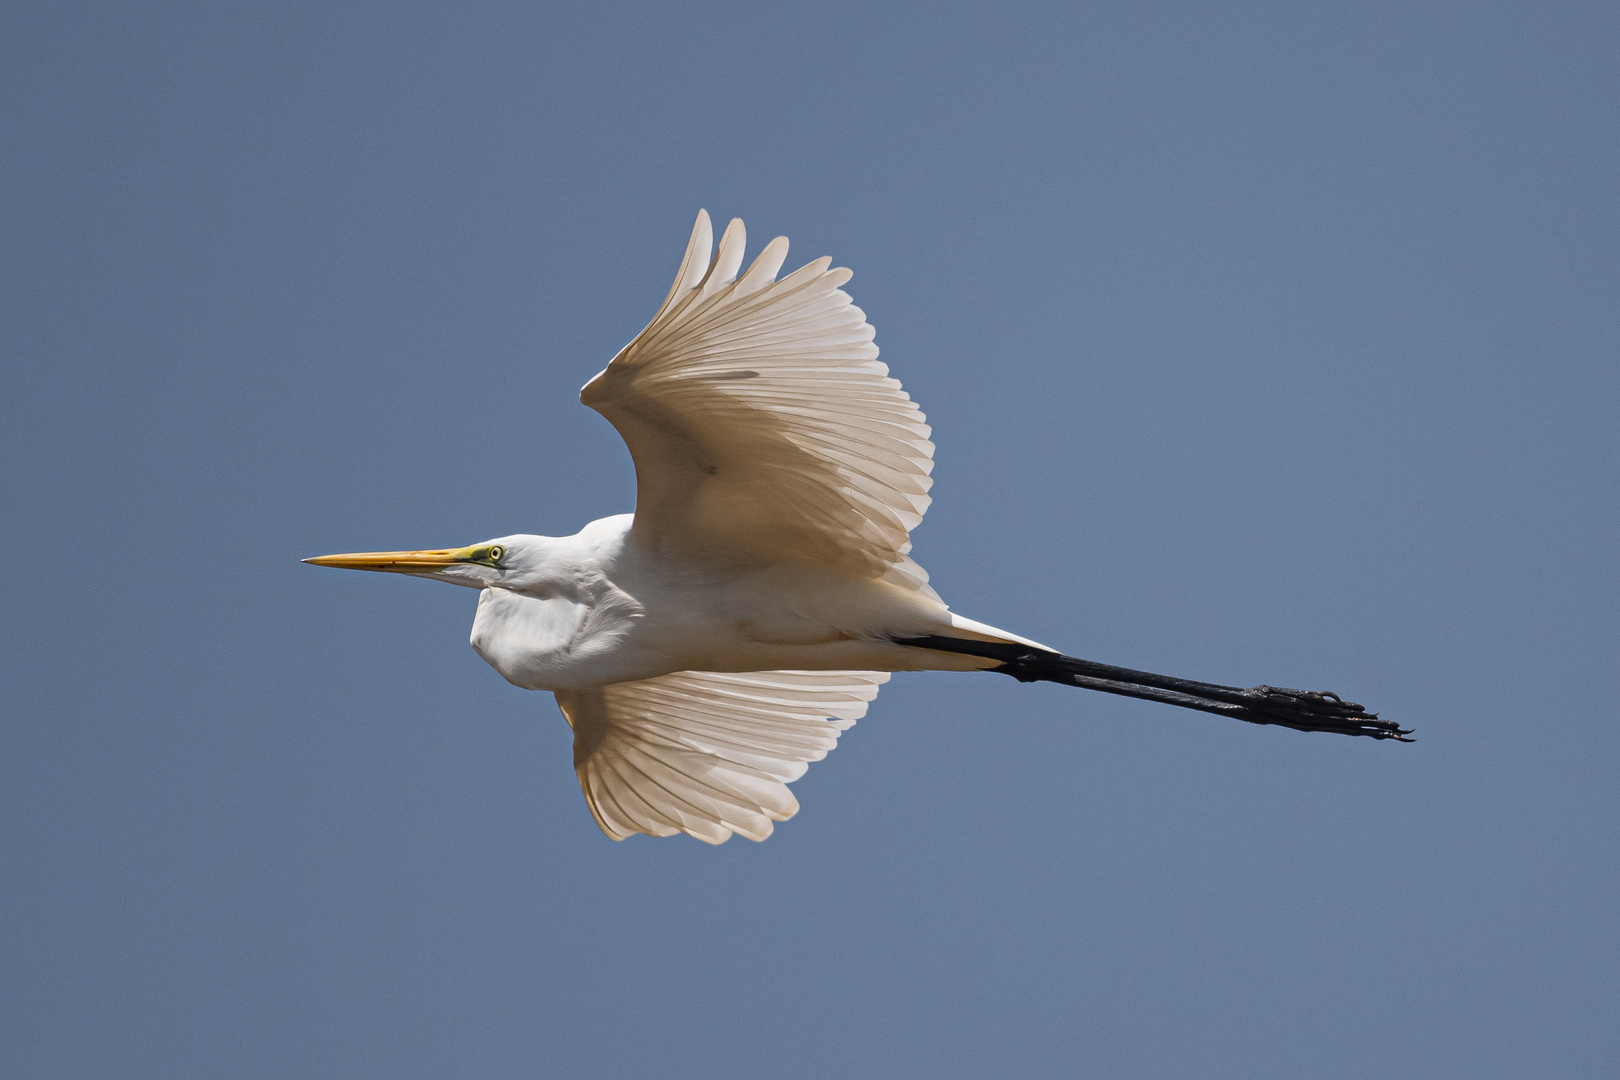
708	647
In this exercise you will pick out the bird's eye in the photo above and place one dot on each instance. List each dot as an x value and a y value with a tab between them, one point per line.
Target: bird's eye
496	554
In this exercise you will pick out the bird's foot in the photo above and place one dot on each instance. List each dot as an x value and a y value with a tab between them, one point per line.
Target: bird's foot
1316	710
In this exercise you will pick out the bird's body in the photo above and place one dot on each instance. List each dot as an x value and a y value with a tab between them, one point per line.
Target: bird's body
710	645
601	608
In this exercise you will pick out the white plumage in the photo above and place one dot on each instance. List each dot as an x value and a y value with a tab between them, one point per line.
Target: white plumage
762	426
708	647
708	753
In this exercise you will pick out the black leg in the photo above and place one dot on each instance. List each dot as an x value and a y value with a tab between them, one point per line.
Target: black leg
1302	710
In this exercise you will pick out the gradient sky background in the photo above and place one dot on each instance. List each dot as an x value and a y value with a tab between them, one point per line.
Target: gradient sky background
1263	343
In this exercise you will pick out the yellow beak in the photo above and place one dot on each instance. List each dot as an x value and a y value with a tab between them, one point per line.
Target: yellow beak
398	562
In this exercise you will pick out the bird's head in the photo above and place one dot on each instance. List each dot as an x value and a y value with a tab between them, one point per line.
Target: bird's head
494	562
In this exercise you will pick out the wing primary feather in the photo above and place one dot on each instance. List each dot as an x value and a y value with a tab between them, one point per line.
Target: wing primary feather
723	271
763	270
694	265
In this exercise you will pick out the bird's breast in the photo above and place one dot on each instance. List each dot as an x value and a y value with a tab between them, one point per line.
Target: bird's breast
555	643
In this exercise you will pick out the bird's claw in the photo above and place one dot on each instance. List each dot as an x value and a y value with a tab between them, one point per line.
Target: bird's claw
1320	710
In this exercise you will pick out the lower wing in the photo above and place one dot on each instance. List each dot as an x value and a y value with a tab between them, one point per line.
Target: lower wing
708	753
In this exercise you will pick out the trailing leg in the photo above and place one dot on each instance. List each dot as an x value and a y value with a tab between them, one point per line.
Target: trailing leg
1302	710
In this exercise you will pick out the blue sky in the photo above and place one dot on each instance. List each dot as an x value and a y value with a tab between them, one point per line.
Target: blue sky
1262	343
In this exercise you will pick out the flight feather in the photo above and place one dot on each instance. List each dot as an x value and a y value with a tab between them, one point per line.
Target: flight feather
762	426
708	753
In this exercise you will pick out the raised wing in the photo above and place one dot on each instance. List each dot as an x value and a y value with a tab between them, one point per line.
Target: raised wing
708	753
763	428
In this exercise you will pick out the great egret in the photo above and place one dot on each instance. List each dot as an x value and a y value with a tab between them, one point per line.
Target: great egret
709	646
